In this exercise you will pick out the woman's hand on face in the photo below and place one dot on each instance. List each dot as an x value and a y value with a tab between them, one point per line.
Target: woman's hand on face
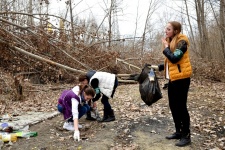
165	43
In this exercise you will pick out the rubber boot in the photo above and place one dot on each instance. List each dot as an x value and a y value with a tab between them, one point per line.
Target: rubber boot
111	116
89	117
185	140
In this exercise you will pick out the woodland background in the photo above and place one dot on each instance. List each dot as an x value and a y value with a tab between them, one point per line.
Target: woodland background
37	51
39	58
34	49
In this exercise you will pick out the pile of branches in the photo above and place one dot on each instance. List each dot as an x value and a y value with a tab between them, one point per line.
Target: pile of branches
35	51
208	70
50	56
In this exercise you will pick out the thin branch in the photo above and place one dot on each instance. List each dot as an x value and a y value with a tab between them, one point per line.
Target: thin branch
130	65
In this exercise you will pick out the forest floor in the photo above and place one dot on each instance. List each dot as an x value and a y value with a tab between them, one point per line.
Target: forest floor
137	126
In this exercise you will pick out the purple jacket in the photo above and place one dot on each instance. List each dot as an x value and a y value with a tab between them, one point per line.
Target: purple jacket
65	101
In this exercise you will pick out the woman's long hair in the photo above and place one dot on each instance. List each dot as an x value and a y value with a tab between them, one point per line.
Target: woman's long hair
177	29
86	88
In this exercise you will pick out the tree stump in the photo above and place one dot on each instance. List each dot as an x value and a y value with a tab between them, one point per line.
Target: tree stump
19	88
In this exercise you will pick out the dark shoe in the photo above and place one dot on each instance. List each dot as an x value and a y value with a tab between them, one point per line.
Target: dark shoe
174	136
185	140
111	116
89	117
165	86
105	116
110	119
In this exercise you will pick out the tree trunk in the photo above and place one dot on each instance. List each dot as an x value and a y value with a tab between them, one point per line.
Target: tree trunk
222	25
203	36
152	7
19	88
136	23
191	31
30	11
72	27
110	24
144	32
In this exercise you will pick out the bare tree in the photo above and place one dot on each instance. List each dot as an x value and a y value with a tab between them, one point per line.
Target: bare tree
151	9
30	11
203	35
219	18
190	25
222	25
71	20
136	23
113	27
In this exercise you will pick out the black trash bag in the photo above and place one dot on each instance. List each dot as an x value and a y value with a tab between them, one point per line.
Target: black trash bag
144	74
149	90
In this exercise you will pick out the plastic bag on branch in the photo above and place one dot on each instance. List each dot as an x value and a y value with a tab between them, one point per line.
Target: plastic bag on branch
149	90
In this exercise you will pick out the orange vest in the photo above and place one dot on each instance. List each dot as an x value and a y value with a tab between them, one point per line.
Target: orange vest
182	69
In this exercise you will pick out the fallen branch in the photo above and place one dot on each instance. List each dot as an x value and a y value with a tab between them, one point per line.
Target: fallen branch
123	75
130	65
127	81
41	58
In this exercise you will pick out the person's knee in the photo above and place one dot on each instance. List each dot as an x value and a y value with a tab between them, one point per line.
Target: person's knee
60	108
85	109
88	108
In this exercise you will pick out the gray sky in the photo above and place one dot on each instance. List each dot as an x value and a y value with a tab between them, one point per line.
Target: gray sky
127	17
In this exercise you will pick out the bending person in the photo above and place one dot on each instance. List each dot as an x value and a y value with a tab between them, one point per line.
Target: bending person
105	85
72	104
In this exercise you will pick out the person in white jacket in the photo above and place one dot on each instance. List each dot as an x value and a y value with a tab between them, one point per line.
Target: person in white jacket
104	83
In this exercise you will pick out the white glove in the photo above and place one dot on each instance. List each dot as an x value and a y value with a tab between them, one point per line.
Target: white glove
155	67
76	135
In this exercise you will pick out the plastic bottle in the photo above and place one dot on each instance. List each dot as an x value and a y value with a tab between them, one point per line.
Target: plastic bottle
151	75
6	137
26	134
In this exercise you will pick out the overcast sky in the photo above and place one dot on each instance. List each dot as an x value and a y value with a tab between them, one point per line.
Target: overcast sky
127	15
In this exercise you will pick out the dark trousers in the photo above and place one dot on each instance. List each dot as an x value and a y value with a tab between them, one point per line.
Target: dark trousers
177	94
105	99
82	110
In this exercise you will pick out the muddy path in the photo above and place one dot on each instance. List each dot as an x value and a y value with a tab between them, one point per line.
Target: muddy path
137	126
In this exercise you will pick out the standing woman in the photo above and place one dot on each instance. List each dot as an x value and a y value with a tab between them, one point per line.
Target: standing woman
72	104
178	70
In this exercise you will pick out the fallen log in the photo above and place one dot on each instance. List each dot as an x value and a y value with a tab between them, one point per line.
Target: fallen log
63	66
41	58
127	81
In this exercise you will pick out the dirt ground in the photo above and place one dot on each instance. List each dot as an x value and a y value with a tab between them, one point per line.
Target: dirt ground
137	126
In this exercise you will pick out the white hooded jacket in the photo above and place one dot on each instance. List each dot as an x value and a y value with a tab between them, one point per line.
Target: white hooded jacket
106	82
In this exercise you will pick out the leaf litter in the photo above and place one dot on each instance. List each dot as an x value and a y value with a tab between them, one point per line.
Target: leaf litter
137	125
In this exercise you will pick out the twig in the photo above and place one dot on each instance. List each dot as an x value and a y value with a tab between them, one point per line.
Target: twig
130	65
